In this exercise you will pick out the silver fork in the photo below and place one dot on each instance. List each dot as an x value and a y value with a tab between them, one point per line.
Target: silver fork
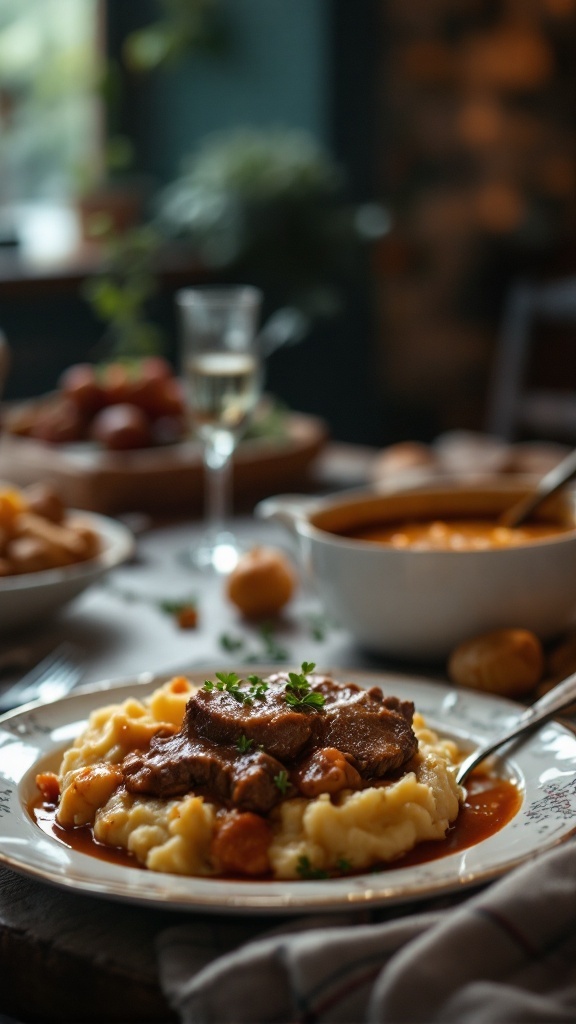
52	678
559	697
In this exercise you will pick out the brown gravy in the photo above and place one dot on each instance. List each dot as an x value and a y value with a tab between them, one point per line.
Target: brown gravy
490	803
454	534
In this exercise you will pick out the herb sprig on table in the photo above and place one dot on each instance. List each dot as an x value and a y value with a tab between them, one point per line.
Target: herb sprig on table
272	650
183	611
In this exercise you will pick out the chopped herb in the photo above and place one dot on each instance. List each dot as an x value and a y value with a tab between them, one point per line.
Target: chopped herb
299	693
258	686
173	607
308	700
281	781
231	643
298	683
243	744
318	626
229	682
273	651
306	871
343	865
184	612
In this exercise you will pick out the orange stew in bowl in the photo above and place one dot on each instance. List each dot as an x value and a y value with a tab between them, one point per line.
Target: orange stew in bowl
454	534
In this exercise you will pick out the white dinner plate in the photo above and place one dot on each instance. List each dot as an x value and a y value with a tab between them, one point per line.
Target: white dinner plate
544	766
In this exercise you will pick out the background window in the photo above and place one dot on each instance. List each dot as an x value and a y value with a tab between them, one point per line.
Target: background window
49	111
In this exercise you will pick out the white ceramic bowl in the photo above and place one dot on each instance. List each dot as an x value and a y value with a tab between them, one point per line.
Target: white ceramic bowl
33	596
420	604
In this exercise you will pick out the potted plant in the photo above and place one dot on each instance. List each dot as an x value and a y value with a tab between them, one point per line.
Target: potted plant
268	206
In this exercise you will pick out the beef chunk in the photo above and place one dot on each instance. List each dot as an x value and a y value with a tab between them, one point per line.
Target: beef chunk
355	736
174	765
379	739
375	730
269	721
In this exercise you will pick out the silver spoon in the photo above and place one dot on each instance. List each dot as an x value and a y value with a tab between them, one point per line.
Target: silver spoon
557	698
548	485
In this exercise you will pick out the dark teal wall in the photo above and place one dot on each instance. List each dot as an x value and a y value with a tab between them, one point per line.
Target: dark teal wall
290	63
306	64
275	72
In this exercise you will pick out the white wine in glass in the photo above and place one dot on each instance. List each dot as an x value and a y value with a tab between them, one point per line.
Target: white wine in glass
222	372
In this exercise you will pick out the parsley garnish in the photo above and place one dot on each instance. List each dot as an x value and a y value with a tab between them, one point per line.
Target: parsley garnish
281	781
230	683
243	744
343	865
305	869
258	686
299	693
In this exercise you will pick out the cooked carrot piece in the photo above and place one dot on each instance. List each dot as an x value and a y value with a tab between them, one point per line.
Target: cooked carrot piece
187	617
240	845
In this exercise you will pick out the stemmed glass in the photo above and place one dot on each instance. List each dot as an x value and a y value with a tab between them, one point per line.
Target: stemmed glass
222	372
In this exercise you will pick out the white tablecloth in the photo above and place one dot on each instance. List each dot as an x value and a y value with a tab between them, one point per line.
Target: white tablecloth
122	630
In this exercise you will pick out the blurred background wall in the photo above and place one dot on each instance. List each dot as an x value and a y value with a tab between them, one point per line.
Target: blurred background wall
456	116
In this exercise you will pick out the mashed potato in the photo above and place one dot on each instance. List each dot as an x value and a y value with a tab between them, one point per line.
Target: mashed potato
345	832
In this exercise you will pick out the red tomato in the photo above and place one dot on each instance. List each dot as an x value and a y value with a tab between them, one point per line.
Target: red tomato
122	427
60	422
155	368
168	429
80	383
118	383
161	397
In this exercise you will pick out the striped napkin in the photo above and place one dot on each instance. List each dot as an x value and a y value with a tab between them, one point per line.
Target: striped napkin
504	954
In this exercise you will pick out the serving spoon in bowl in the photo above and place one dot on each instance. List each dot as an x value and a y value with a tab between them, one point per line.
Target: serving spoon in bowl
559	697
545	488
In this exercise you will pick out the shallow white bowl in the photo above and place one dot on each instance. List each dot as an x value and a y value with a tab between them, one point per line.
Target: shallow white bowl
33	596
420	604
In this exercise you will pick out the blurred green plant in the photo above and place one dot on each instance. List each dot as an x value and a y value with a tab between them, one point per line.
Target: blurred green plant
185	27
119	296
268	205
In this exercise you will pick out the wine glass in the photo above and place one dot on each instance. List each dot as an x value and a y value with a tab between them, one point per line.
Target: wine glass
222	372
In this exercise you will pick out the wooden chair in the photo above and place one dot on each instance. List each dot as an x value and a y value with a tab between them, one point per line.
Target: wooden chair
513	407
